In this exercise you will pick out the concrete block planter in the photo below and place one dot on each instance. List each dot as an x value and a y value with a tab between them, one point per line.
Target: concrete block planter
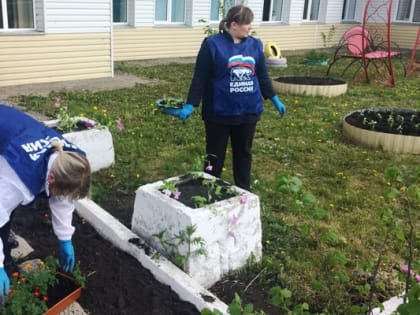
96	142
230	228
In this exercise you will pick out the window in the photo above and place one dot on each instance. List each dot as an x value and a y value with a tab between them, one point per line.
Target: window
220	8
214	10
349	9
311	10
175	7
119	11
272	10
16	14
227	4
408	11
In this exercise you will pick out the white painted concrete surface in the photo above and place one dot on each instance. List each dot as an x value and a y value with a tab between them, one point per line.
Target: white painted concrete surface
96	142
230	228
98	145
390	306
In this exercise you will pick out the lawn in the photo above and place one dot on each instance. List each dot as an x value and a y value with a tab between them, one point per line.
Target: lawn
334	229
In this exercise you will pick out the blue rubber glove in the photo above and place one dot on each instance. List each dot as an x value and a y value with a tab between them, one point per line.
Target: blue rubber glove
279	105
4	282
186	112
67	260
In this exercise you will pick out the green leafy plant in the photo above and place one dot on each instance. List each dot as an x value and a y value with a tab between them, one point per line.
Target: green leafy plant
69	123
29	288
321	56
236	307
172	246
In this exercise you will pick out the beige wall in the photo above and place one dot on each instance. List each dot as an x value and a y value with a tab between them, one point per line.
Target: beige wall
154	43
404	35
26	59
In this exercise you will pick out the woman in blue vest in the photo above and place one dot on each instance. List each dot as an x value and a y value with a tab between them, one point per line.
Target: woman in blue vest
35	159
230	78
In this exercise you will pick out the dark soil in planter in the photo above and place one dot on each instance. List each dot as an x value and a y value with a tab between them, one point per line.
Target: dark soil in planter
191	187
117	284
309	80
62	289
395	121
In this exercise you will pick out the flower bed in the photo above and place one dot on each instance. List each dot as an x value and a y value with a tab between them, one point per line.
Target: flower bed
392	130
322	86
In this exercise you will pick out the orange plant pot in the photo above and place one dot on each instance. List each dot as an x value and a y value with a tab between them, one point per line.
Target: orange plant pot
70	296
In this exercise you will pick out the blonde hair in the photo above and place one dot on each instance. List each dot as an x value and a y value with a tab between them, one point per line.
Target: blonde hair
240	14
72	174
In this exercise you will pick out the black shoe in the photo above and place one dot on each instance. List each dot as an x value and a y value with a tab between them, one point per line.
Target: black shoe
13	243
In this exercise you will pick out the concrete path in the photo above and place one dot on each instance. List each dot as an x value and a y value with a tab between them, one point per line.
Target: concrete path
44	89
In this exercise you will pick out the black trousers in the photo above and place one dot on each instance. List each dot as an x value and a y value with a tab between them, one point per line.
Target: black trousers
241	138
4	235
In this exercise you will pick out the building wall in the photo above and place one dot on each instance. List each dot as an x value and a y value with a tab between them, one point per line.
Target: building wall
77	39
31	59
71	40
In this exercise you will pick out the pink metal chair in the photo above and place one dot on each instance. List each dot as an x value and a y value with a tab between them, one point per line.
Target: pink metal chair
369	44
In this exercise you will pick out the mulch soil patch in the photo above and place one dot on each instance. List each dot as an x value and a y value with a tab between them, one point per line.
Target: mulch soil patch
117	284
309	80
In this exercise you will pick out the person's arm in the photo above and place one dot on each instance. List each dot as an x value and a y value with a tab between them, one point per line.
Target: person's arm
266	85
264	80
202	73
61	217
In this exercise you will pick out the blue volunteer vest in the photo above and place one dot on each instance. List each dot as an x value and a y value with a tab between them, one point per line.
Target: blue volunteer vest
26	145
236	90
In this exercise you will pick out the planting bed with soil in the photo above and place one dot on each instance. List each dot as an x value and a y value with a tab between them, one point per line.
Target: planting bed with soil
309	80
395	121
117	284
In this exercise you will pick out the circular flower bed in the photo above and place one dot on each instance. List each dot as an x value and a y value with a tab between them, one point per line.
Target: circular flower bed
392	130
323	86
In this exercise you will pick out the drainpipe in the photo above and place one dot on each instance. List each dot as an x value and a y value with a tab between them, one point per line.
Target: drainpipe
111	38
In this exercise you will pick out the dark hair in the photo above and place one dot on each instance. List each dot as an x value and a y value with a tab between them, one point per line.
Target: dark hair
239	14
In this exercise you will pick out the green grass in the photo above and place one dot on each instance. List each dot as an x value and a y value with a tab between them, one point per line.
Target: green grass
325	250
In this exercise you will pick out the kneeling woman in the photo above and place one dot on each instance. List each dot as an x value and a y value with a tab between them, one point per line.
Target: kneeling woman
35	160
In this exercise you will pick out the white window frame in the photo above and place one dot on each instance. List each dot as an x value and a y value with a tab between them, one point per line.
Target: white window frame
126	14
169	14
271	9
411	18
308	9
349	10
5	19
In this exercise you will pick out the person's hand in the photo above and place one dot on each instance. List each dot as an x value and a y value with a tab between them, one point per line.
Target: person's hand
186	111
4	282
279	105
67	260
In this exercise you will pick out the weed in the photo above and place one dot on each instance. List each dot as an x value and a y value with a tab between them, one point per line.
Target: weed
172	246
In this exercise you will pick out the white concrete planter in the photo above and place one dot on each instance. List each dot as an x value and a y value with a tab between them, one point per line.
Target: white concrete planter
96	142
230	228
